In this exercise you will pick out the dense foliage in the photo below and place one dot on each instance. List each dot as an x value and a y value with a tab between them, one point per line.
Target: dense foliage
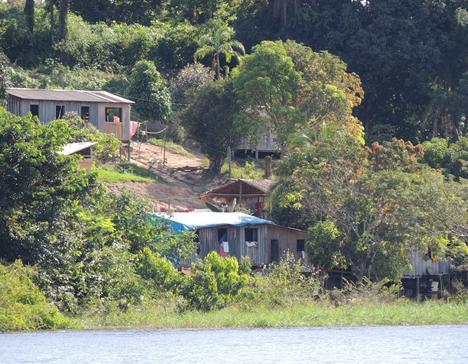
366	208
84	241
299	68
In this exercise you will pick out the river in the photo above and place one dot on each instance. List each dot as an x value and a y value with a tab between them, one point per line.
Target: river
381	344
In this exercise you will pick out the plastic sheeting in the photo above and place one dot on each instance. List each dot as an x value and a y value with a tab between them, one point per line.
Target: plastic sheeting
182	221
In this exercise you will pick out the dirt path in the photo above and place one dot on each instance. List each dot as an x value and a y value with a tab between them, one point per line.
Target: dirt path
185	175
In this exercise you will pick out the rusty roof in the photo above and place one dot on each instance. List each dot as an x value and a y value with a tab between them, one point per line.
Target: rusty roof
67	95
250	187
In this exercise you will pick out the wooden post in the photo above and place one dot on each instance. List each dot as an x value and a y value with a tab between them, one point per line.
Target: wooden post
164	151
418	295
240	193
128	151
229	157
268	166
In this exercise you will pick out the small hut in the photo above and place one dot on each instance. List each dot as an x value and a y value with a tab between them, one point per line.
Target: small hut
83	149
238	234
241	193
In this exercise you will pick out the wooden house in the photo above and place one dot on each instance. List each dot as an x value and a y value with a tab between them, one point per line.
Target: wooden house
107	112
261	240
241	193
265	144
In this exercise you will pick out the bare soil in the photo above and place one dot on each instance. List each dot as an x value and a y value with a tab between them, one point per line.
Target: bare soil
186	178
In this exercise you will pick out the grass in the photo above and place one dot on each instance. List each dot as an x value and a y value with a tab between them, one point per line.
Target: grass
304	315
248	170
171	146
126	172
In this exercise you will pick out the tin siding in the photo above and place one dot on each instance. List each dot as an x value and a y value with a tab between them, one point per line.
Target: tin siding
421	266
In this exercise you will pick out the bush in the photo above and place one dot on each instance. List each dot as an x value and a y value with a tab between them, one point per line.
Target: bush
281	284
22	304
215	282
159	274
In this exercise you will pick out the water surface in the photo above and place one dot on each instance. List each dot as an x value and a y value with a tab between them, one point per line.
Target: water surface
384	344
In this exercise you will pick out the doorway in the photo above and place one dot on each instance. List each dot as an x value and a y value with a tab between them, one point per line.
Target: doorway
274	251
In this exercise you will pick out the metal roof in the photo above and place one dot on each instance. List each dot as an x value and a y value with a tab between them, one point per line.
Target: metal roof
75	147
250	187
181	221
67	95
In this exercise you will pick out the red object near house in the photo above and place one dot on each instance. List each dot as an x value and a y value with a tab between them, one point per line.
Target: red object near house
135	126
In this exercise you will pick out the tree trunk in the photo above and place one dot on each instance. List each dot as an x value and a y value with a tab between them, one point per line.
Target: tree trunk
63	20
218	66
52	20
29	13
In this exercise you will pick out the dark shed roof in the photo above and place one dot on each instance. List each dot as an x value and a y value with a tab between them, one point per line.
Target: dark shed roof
249	187
67	95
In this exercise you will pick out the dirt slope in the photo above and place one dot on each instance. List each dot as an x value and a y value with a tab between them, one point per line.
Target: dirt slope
185	175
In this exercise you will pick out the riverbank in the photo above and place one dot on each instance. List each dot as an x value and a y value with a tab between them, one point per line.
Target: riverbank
304	315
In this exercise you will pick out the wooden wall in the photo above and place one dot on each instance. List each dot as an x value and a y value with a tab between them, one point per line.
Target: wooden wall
260	254
97	112
287	239
421	266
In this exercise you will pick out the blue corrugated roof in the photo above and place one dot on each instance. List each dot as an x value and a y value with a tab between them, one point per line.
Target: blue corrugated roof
181	221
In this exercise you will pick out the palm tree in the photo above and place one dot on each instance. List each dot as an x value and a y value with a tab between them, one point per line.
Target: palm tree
219	42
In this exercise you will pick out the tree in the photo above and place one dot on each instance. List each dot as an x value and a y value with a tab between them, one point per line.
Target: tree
127	11
29	12
266	84
384	42
150	92
63	20
4	75
187	82
294	90
219	43
367	208
210	120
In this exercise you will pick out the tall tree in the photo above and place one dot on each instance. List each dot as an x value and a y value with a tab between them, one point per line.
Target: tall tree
29	12
63	19
150	91
210	120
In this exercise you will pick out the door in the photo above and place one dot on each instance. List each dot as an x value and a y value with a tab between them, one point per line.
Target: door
85	113
274	251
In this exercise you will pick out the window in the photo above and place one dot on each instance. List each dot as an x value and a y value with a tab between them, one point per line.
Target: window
112	113
251	234
300	245
85	113
34	109
222	234
59	111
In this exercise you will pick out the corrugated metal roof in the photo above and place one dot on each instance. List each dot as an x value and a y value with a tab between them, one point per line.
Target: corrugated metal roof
181	221
249	188
67	95
75	147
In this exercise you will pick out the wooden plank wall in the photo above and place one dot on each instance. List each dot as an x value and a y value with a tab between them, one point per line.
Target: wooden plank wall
14	105
259	254
287	240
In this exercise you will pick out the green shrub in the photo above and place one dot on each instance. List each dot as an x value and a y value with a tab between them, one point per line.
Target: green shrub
215	282
22	304
281	284
159	274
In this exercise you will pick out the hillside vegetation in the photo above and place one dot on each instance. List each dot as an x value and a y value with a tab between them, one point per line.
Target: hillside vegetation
367	100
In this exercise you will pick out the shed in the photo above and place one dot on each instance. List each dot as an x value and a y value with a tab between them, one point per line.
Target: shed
84	149
251	194
261	240
107	112
265	144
